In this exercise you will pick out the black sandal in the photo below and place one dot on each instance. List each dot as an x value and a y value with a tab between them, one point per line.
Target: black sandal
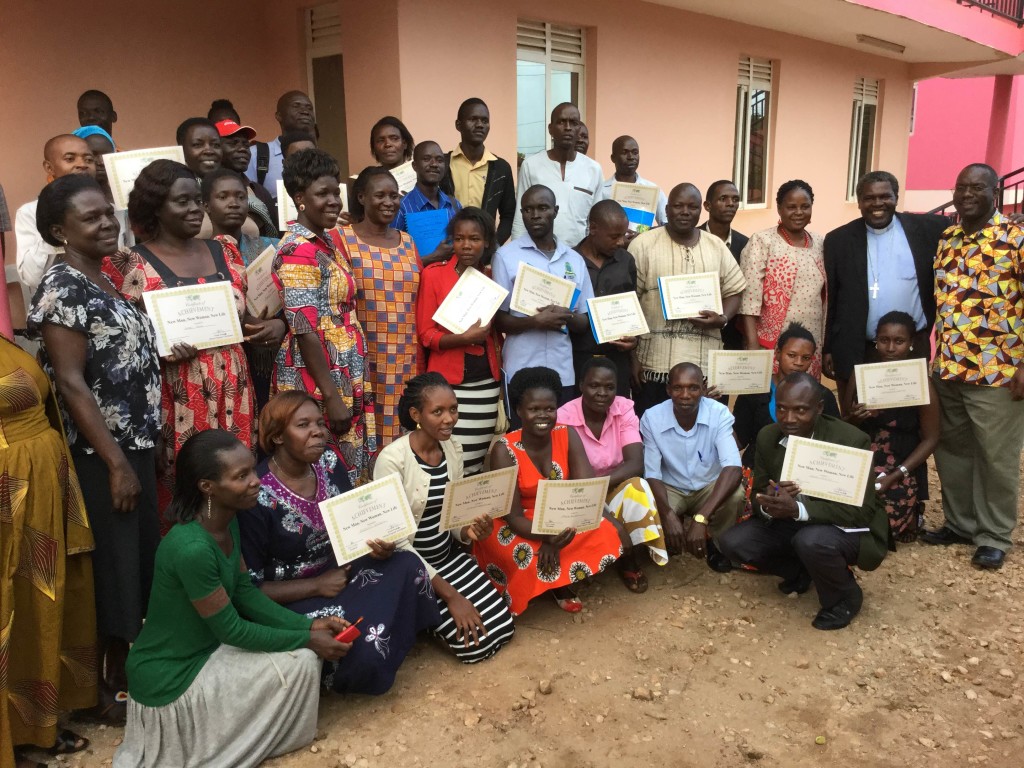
21	759
68	743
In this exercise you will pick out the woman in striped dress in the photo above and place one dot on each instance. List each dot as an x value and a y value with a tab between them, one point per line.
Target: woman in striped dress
469	360
475	621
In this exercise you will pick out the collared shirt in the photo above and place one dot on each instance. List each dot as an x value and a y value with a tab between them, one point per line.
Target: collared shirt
469	177
980	303
539	347
274	166
690	460
891	267
34	255
416	202
621	428
616	275
660	215
575	195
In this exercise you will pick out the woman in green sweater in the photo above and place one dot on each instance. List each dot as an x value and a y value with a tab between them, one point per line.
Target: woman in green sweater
220	674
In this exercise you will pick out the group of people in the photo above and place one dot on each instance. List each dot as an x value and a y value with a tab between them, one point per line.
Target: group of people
179	494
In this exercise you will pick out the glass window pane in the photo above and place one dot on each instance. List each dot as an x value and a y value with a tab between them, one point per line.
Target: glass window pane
531	108
565	86
757	147
867	136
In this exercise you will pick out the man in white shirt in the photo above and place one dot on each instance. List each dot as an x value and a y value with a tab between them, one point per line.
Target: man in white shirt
62	155
573	177
626	156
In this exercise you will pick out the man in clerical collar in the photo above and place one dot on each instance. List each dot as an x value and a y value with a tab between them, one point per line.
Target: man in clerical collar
721	203
979	370
428	162
878	263
803	539
626	157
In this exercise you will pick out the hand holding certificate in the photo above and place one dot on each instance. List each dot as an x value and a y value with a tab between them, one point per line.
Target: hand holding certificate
684	296
616	316
562	504
204	316
262	298
377	510
534	288
740	372
893	385
123	168
828	471
489	493
475	297
405	176
640	201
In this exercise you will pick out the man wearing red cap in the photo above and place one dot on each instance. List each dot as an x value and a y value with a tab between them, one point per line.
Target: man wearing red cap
235	142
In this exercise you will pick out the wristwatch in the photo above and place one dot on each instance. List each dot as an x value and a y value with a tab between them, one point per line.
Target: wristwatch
698	518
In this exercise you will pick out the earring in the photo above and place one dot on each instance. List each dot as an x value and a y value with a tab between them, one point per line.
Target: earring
417	425
209	508
302	206
65	243
911	347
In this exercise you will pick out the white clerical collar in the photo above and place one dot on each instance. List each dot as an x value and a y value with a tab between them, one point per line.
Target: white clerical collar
881	231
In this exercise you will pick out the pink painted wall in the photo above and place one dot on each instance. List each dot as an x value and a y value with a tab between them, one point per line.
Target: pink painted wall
971	23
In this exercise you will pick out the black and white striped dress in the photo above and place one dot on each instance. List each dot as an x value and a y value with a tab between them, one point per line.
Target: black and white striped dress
443	552
478	413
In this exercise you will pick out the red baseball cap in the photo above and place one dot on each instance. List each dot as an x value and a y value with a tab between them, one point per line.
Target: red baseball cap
230	128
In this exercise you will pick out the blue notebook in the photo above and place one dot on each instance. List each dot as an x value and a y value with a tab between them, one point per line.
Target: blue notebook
427	229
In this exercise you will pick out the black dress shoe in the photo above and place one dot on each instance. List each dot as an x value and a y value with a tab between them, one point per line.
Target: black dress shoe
716	560
943	536
798	584
840	614
989	557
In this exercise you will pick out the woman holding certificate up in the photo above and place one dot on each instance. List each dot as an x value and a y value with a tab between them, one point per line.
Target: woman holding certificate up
201	389
469	360
475	622
289	555
902	438
324	352
523	564
785	271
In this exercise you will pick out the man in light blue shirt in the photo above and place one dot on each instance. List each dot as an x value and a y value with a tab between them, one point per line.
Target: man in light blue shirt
693	466
427	197
294	113
541	339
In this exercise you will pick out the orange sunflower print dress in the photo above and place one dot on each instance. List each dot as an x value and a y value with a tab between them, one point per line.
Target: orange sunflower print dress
510	561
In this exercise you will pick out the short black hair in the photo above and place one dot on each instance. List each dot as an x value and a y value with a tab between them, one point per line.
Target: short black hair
222	107
598	362
293	137
896	317
537	377
989	171
303	168
875	177
190	123
55	199
206	188
356	208
150	192
795	331
472	101
412	395
715	185
683	367
802	377
682	187
482	219
395	123
198	459
95	94
604	210
789	186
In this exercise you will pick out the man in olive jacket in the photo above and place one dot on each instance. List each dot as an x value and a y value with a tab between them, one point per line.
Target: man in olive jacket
804	539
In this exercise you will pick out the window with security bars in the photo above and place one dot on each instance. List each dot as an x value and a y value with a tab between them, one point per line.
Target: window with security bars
753	120
549	71
862	132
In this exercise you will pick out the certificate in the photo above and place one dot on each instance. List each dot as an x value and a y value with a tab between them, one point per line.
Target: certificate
739	372
123	168
565	504
204	316
286	210
640	201
489	493
684	296
893	385
534	288
262	297
474	297
377	510
828	471
615	316
428	229
405	176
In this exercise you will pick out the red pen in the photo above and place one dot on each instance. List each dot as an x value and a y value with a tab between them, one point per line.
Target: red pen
349	633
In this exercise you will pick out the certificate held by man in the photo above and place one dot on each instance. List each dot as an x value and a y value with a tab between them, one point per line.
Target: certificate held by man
686	296
475	297
893	385
405	176
377	510
262	298
123	168
639	201
489	493
565	504
616	316
534	288
740	372
203	315
828	471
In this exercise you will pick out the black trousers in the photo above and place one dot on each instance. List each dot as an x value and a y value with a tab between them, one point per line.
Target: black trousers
784	547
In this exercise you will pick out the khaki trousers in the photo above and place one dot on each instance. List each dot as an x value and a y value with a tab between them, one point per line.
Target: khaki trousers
688	504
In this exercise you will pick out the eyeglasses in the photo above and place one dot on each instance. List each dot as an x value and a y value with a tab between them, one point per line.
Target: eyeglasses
975	188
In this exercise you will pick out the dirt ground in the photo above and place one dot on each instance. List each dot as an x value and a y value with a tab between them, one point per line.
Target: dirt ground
714	671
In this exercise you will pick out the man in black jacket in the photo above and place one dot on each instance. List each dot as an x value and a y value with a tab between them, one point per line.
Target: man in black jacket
474	175
881	262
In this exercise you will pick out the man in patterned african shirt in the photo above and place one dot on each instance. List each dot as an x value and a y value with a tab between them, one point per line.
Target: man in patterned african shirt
979	370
